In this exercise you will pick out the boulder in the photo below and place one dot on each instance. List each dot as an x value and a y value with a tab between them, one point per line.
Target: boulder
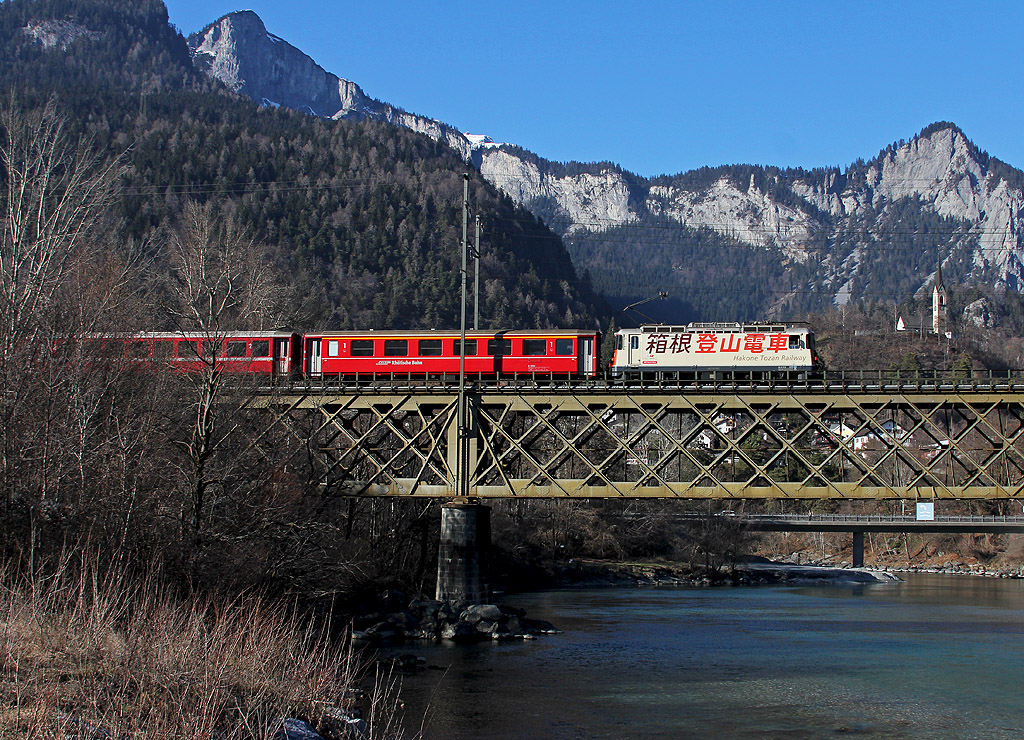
477	612
513	626
487	627
296	729
339	724
541	626
460	632
425	608
404	621
382	631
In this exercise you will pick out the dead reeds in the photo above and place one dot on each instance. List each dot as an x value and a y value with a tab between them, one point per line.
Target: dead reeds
86	652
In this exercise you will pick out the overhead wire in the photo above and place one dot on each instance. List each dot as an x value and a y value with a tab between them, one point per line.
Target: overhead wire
596	224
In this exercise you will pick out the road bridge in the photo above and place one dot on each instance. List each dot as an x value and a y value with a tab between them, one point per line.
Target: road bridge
881	523
858	524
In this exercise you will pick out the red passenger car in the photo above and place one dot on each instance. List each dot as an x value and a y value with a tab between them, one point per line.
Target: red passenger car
541	352
259	353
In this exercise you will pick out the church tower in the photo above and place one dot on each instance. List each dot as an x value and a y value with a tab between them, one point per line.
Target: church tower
940	299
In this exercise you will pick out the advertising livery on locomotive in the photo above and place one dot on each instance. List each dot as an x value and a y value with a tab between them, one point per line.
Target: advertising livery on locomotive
699	350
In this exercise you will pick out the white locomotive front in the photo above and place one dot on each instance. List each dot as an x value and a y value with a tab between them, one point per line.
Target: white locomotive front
701	350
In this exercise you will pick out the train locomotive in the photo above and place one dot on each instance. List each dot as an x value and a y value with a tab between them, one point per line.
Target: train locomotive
714	350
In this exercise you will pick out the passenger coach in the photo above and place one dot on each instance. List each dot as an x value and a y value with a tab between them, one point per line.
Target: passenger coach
256	353
489	353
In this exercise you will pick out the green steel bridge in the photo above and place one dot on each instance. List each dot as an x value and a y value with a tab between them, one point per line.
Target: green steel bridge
849	436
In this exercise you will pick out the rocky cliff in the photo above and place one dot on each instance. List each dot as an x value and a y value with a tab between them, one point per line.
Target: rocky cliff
240	52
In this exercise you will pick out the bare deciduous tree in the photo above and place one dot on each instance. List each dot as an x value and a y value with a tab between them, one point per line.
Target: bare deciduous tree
220	281
56	191
220	278
57	277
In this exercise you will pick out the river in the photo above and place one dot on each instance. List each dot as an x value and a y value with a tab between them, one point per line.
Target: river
934	657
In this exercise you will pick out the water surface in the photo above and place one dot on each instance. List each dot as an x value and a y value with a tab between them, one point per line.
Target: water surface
935	657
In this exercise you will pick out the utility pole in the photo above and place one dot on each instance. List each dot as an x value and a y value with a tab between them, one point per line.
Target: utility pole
461	472
476	280
465	524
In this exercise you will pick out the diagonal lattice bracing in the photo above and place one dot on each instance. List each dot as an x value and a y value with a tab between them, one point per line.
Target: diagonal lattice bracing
580	442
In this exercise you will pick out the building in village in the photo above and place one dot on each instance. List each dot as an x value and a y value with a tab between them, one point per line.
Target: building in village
939	324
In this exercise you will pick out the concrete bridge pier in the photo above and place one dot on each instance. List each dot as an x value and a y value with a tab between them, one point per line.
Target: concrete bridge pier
858	548
463	552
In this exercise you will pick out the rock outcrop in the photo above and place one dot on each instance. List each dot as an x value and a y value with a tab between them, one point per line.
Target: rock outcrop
58	34
240	52
397	618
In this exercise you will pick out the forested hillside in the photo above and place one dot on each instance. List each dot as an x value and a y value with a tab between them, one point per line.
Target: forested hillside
363	218
707	276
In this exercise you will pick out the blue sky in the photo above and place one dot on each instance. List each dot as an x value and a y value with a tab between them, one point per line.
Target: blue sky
664	87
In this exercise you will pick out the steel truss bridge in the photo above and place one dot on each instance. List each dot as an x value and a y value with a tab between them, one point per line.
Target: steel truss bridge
850	436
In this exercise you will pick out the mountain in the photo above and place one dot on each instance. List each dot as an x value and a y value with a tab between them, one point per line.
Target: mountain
362	218
240	52
731	242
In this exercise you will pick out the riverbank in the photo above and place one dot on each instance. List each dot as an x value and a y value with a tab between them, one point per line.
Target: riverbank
94	654
589	573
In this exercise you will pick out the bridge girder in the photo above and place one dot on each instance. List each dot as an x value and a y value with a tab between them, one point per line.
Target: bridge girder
589	444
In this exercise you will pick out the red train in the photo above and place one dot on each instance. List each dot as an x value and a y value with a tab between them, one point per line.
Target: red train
418	353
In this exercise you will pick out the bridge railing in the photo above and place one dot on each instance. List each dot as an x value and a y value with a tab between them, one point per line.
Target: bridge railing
846	381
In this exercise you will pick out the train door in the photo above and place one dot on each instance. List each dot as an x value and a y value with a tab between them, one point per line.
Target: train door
313	352
282	357
587	355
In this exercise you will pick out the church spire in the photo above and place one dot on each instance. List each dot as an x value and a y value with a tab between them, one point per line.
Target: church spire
939	300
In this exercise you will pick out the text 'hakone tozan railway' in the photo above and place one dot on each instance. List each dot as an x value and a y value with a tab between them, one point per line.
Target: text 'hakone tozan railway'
697	350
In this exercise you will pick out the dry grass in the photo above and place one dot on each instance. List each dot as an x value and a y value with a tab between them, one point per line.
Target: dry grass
79	650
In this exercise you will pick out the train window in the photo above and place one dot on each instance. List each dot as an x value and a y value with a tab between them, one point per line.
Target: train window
396	347
430	348
634	342
618	341
188	349
261	348
236	349
535	347
362	348
470	347
138	349
794	341
332	348
162	349
563	347
499	347
93	347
